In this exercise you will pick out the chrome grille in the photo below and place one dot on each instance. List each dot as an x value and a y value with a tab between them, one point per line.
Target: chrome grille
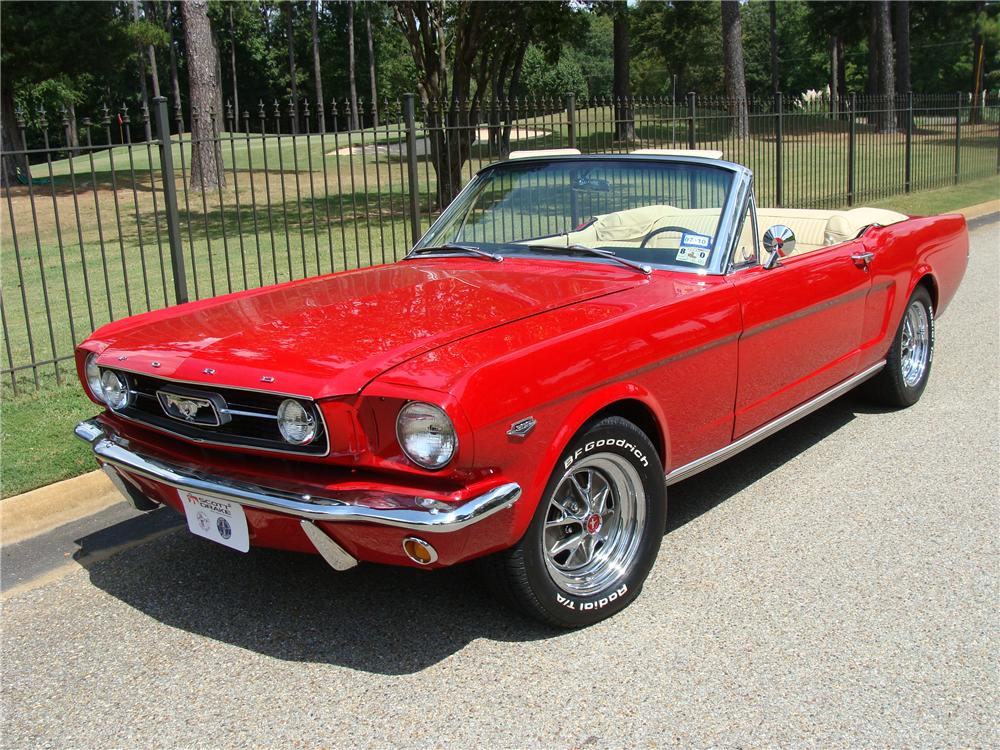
245	418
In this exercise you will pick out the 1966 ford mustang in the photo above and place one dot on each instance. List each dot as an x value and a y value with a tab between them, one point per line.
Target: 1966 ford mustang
574	334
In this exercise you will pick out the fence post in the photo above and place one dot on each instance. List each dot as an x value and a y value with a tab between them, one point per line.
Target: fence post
690	119
170	199
571	119
996	106
778	155
411	165
852	135
958	134
908	179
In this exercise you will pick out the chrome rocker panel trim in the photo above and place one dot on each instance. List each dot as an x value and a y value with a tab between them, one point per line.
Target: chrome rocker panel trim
779	423
410	511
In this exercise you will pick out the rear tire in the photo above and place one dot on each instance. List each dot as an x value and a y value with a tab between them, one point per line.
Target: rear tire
595	534
908	364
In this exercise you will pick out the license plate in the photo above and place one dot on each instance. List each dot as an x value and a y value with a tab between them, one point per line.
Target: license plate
222	521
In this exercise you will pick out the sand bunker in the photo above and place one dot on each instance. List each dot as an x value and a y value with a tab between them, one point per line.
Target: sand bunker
398	150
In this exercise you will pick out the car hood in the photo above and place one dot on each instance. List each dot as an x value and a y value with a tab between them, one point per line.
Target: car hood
332	335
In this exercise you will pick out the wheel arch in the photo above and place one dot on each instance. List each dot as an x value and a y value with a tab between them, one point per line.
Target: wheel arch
926	279
630	401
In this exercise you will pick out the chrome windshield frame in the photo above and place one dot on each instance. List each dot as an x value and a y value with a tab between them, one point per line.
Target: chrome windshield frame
729	219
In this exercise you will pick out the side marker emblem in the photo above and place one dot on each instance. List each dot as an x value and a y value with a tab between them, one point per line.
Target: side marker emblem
522	427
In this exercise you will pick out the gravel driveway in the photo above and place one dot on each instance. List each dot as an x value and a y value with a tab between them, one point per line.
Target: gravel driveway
837	585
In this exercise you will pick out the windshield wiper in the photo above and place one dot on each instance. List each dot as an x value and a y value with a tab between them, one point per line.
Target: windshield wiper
640	267
451	247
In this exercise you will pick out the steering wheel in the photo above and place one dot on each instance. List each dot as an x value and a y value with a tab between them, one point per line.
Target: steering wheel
661	230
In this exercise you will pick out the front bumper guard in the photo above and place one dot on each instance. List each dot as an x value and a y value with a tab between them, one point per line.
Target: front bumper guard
404	511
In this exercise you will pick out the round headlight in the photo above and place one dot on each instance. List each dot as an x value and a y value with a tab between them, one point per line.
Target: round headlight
114	389
296	422
93	374
426	435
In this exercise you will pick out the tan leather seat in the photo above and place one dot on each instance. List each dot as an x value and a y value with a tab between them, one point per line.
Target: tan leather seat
813	228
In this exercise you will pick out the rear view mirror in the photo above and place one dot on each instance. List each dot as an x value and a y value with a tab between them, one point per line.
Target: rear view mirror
779	240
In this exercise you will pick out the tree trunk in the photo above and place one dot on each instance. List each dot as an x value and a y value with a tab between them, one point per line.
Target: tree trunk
232	67
901	35
732	51
515	81
219	108
978	51
624	116
11	140
834	77
292	76
151	51
841	68
371	64
317	72
73	132
871	85
142	76
203	81
350	65
773	12
175	83
884	73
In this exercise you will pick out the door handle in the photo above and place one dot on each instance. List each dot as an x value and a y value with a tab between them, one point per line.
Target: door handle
862	260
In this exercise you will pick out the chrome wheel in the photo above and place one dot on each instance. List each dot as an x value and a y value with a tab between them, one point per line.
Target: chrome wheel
915	344
594	524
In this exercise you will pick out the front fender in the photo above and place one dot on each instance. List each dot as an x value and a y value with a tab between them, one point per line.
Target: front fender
570	423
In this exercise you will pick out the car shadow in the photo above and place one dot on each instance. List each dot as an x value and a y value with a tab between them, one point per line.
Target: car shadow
696	496
373	618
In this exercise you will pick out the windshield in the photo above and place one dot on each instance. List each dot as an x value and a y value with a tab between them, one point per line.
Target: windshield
658	213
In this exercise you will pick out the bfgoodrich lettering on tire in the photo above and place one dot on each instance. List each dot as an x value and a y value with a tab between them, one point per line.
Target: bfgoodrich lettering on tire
596	532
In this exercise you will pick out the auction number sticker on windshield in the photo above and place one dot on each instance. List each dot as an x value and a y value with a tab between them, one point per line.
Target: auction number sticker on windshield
695	248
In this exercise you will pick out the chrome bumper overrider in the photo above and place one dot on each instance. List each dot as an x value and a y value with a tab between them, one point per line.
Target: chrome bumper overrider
366	506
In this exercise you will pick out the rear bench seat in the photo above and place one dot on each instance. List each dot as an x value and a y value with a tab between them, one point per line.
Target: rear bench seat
815	229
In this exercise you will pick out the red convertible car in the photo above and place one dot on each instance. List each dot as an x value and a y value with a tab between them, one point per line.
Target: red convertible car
572	336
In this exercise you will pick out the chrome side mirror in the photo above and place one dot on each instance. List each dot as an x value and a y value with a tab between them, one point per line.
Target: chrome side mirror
778	240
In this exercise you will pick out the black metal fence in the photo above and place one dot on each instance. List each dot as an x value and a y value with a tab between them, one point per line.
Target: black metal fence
110	222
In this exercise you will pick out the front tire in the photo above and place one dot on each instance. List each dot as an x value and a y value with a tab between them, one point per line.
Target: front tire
595	534
908	364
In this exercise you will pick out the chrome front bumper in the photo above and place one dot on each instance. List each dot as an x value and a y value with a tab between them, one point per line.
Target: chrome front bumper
365	506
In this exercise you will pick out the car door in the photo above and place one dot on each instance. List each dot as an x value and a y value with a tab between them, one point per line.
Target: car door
802	329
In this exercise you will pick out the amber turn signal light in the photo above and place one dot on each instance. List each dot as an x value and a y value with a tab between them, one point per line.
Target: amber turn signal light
419	551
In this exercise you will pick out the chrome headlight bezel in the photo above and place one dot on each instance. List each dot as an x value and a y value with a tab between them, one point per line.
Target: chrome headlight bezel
284	420
92	378
416	421
115	391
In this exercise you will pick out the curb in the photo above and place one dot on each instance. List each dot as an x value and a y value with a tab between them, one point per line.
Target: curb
38	511
979	210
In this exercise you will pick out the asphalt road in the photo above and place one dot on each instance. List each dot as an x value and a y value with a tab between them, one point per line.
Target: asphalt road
835	586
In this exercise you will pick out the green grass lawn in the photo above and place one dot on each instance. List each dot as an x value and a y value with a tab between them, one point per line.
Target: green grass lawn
943	200
38	446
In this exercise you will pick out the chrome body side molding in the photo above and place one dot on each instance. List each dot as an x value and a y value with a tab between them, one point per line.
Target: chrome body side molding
765	431
384	507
